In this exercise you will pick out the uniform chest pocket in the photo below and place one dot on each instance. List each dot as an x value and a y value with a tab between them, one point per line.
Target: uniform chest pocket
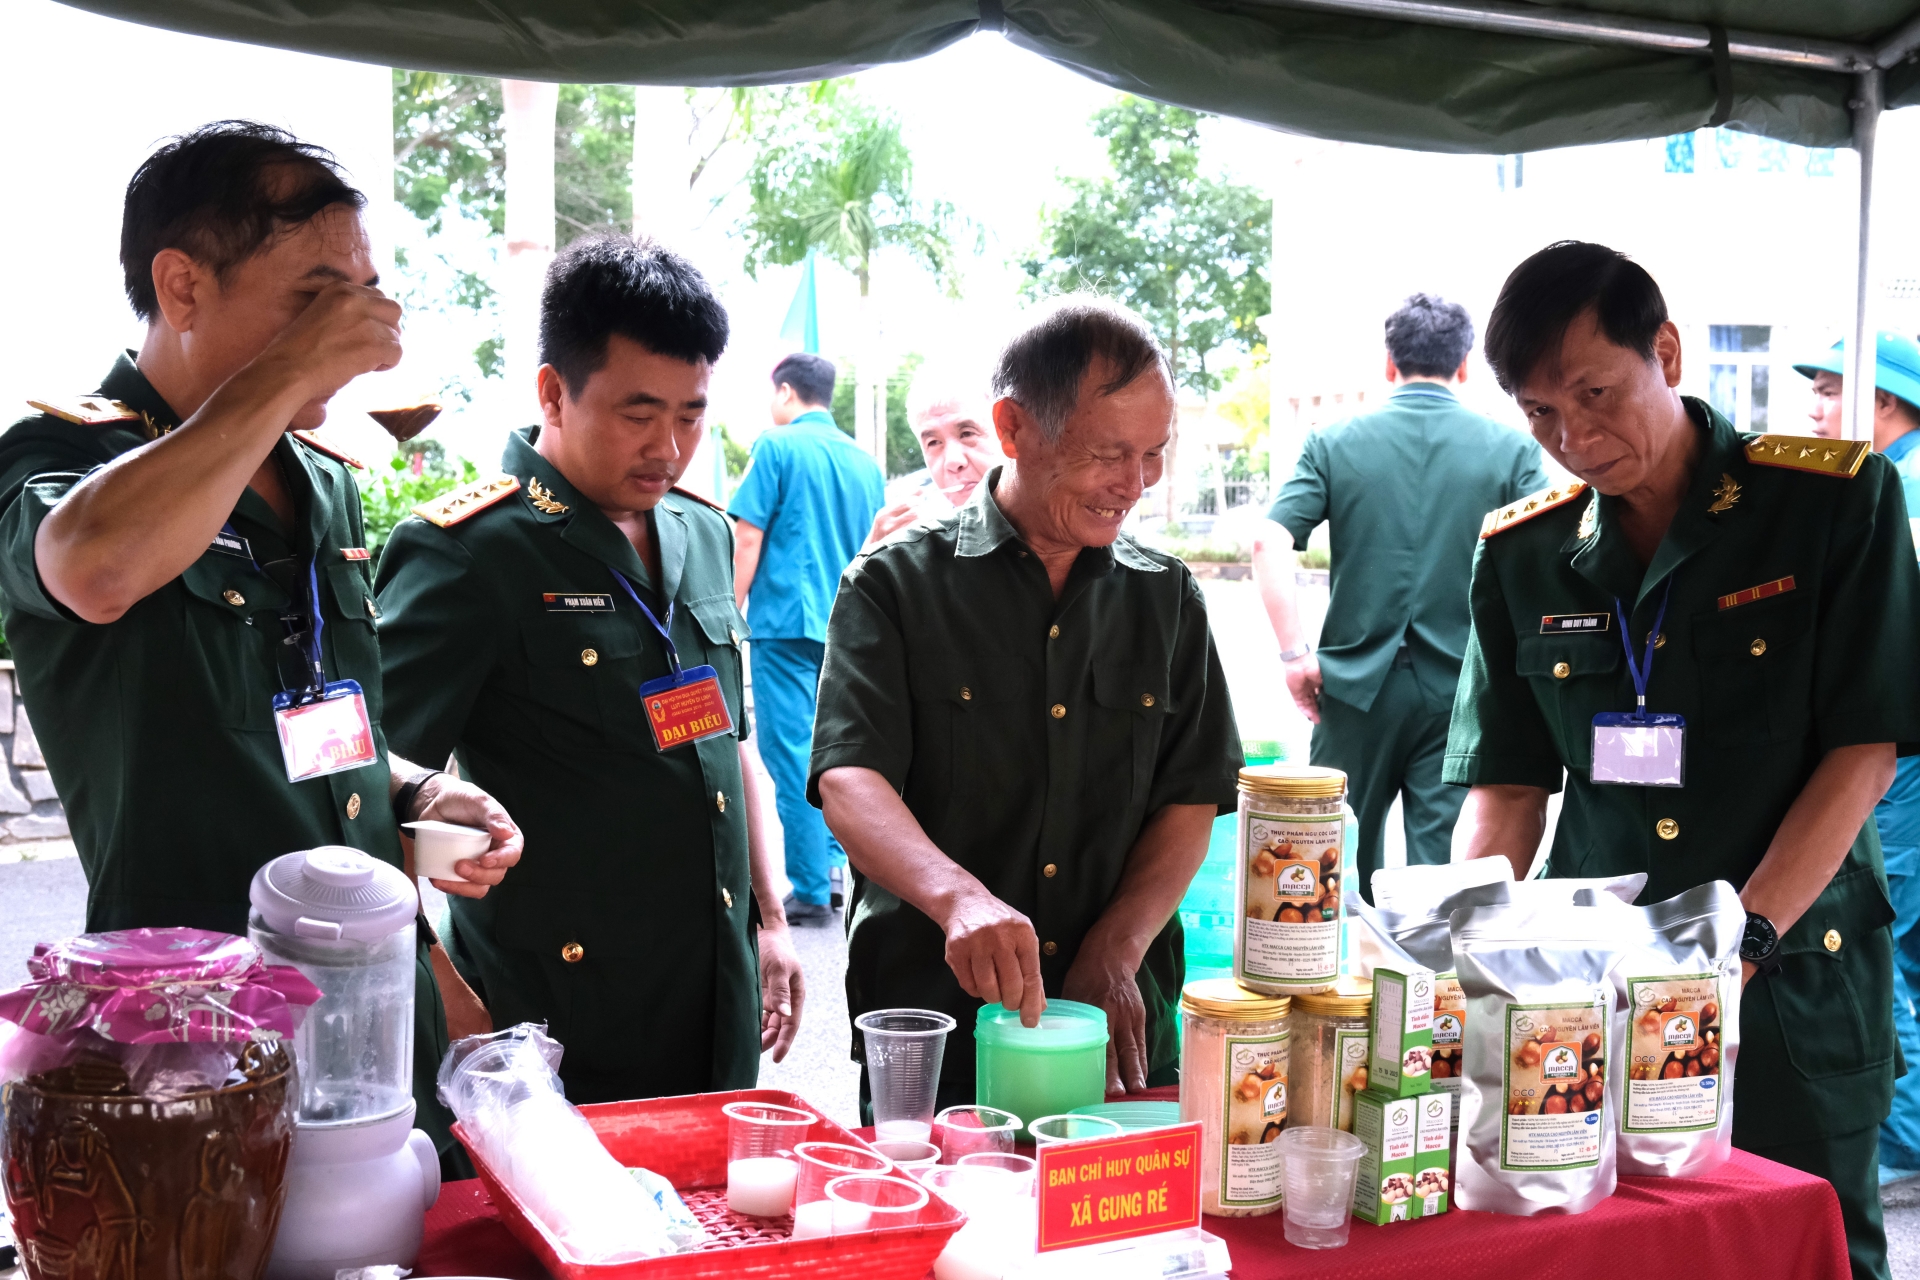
1134	701
356	649
1574	678
1756	670
231	628
584	672
722	628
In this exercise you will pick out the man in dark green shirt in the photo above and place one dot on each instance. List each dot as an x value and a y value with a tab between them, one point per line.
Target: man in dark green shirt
1764	589
522	619
176	550
1402	490
1024	732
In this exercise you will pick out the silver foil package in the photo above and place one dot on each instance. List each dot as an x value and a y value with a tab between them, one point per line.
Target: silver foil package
1539	1101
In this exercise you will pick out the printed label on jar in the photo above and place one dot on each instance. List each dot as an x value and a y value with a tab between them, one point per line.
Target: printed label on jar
1673	1068
1290	910
1256	1110
1555	1084
1350	1069
1449	1030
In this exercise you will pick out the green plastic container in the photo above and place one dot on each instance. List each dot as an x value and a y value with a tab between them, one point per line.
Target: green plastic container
1046	1070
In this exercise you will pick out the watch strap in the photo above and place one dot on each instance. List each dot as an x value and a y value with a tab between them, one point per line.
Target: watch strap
1294	655
403	798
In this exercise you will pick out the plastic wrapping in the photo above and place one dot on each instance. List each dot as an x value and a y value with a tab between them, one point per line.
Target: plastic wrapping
681	1224
506	1092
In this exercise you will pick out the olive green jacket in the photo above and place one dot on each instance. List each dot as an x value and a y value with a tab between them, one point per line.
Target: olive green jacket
629	924
1791	630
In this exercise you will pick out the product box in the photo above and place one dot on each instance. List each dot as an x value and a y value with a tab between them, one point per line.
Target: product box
1383	1187
1401	1065
1432	1147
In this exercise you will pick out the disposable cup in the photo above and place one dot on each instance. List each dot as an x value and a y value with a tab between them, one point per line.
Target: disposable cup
887	1202
761	1174
822	1162
908	1154
1319	1164
438	845
1048	1130
1019	1169
904	1048
961	1131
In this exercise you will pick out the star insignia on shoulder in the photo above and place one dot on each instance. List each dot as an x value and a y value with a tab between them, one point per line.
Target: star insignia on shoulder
542	498
1533	505
1725	494
1839	458
451	509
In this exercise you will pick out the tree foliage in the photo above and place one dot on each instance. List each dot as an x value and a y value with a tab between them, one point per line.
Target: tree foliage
903	446
419	473
592	161
449	147
1187	251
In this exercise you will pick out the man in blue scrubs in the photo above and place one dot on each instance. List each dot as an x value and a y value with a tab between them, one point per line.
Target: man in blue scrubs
801	513
1896	435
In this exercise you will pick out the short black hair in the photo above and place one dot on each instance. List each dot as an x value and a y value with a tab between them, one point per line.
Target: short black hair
219	194
810	376
633	286
1428	337
1042	368
1549	291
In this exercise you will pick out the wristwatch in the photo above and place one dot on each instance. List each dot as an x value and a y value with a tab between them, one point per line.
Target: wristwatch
1760	945
1294	655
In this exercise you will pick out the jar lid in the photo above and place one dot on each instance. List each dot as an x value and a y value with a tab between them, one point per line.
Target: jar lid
1295	781
1225	998
1065	1025
1350	996
334	892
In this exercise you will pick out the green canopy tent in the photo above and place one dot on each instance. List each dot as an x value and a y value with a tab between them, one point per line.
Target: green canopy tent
1444	75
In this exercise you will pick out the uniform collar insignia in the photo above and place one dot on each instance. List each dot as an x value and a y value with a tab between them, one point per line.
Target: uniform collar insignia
1725	494
1589	519
542	498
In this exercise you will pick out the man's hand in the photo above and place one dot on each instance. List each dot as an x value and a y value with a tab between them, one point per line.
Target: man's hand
448	799
1303	682
893	518
1100	976
783	990
347	330
995	953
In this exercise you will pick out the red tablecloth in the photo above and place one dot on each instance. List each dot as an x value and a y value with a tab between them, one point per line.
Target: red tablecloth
1750	1218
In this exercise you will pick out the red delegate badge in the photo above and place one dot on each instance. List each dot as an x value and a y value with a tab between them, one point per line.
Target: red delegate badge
686	707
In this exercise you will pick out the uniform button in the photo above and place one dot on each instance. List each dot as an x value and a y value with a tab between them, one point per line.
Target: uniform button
1146	699
1050	948
353	805
1832	940
733	635
1660	641
233	597
1561	671
1667	828
1757	648
966	694
726	896
371	611
720	801
1051	870
573	953
589	656
1053	632
1059	711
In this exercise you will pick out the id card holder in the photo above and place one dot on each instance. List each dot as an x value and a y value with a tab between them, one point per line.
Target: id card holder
686	708
1640	751
328	735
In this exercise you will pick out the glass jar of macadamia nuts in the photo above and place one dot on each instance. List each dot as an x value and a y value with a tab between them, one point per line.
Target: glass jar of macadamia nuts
1291	905
1233	1080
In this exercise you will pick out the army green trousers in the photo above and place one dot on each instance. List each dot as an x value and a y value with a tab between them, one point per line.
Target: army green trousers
1851	1162
1395	748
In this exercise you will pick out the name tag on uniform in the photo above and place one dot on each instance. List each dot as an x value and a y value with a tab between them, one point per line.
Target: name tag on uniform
1640	751
1574	624
576	602
686	708
329	735
231	544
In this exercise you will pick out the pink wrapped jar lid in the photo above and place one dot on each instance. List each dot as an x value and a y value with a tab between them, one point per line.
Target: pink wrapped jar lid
158	986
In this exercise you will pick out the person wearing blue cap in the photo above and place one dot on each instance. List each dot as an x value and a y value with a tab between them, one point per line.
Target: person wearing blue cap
1896	436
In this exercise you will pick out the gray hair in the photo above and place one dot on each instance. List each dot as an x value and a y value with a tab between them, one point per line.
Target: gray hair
1042	368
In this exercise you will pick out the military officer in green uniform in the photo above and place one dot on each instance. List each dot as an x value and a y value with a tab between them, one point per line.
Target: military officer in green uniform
182	562
569	630
1761	589
1024	733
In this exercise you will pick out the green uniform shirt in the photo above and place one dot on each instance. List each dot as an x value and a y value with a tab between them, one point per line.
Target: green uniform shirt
507	637
158	728
1769	681
1031	738
1403	490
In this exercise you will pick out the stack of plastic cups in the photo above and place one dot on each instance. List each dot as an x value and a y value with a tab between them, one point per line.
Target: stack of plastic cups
961	1131
1320	1164
904	1048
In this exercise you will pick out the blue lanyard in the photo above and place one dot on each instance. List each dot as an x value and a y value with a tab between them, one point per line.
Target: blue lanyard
1642	672
673	655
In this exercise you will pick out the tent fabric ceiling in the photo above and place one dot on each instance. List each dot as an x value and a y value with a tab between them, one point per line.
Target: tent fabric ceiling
1357	79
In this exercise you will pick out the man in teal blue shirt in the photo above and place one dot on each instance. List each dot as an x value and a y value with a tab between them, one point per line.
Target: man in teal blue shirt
1896	436
801	513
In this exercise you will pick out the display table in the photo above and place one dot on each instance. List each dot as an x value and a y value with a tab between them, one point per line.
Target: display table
1749	1218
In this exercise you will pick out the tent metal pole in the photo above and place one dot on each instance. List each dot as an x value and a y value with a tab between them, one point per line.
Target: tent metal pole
1861	359
1601	28
1899	45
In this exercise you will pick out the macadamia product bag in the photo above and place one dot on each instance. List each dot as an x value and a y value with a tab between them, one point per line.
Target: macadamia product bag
1540	1110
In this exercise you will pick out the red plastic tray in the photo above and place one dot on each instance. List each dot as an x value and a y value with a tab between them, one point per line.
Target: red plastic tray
685	1141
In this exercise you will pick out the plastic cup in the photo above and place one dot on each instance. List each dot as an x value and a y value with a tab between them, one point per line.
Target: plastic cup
961	1131
760	1173
1019	1170
438	845
876	1202
908	1154
1319	1165
904	1048
1048	1130
825	1217
822	1162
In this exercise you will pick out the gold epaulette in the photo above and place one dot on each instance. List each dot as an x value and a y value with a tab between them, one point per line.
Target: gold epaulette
88	411
688	493
1809	453
316	444
451	508
1530	506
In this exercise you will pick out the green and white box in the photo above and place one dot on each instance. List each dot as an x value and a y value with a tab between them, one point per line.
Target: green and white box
1383	1185
1433	1140
1402	1057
